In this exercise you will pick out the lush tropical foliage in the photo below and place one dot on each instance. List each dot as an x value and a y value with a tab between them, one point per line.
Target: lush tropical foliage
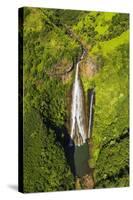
48	47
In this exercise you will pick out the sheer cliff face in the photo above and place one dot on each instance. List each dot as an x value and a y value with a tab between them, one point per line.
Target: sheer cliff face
79	122
78	131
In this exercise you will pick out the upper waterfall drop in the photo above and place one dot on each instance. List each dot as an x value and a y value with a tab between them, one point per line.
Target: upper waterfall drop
78	125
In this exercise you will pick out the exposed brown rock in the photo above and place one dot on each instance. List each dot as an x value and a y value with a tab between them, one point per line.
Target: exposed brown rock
87	68
87	182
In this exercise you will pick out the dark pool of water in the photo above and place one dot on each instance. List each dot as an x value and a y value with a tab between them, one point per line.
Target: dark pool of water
78	157
81	157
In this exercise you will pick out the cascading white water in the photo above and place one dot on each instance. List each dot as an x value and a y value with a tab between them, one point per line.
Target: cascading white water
90	114
78	131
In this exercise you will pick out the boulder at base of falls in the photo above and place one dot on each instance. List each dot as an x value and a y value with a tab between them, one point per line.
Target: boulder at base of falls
87	182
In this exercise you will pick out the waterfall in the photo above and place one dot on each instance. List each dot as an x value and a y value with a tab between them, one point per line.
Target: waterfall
78	131
90	113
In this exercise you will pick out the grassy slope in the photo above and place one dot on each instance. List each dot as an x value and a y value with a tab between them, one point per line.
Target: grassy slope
107	47
102	22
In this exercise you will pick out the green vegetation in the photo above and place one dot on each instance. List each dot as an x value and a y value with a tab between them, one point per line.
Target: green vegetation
45	45
48	46
110	50
44	160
